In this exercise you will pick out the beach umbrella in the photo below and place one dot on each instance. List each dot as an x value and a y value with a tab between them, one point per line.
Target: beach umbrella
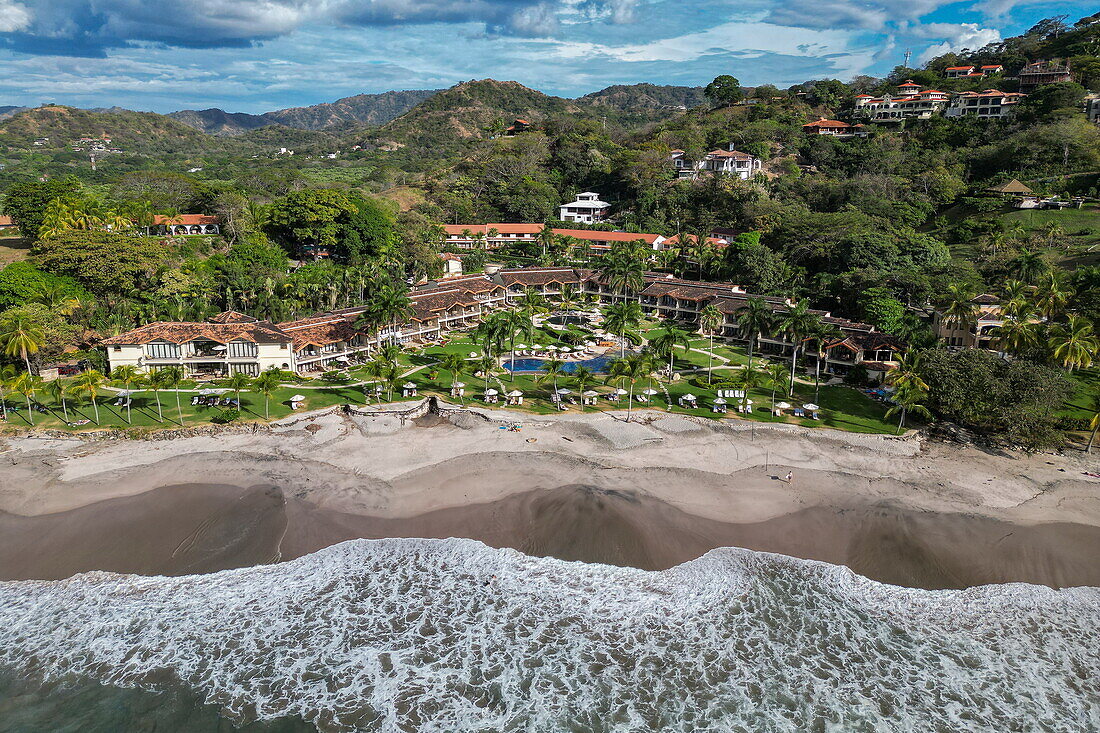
491	392
521	346
473	354
515	393
408	385
810	406
563	390
719	401
551	347
219	347
590	393
565	349
748	402
650	391
298	398
459	385
125	392
620	390
783	406
689	397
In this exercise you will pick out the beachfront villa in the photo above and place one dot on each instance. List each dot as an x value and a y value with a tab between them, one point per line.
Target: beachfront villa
729	162
234	342
980	333
183	225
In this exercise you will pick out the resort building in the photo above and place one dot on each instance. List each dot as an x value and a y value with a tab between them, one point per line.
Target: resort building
587	209
234	342
184	224
452	264
990	104
980	333
495	236
727	162
1039	73
1092	108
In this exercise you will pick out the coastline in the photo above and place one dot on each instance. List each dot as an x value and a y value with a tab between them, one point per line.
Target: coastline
591	488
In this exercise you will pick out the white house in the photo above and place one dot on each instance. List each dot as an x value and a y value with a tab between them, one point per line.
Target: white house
990	104
587	209
728	162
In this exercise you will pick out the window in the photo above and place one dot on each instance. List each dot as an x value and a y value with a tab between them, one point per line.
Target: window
242	349
162	350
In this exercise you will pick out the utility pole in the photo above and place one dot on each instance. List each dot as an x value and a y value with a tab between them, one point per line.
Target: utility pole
908	55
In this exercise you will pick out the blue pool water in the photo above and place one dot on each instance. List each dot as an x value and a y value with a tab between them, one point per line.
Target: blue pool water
597	364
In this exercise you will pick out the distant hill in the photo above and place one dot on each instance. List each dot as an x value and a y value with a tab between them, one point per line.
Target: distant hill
362	109
6	112
131	131
641	97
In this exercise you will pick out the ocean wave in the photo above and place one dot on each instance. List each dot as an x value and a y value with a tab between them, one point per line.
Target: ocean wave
451	635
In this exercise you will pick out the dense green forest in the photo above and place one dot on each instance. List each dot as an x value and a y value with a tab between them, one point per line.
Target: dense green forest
883	228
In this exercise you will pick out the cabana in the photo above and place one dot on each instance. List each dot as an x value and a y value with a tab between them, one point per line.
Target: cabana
296	401
491	396
589	397
408	389
515	397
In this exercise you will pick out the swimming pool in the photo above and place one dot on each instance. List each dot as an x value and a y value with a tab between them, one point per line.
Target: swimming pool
597	364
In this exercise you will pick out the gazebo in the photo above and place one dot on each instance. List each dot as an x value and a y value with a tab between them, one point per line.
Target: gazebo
1010	188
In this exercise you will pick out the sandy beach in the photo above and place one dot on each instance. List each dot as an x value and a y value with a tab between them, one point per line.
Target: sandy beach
651	494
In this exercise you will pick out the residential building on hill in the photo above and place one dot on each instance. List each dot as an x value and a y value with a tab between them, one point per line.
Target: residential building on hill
723	162
980	333
184	224
835	128
495	236
1037	74
1092	108
990	104
910	103
587	209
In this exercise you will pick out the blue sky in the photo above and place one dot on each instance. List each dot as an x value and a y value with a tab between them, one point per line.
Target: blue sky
259	55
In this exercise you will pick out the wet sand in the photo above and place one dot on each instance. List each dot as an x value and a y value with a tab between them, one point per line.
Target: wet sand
192	529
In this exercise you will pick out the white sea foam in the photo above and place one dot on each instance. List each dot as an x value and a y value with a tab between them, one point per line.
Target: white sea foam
450	635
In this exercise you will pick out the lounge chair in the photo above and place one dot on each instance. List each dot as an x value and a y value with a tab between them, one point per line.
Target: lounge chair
815	416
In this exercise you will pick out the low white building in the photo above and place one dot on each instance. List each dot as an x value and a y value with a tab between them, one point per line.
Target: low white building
1092	108
587	209
990	104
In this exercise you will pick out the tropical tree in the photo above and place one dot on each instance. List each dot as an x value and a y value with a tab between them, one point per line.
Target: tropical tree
521	325
129	376
623	269
7	375
493	332
237	382
1094	420
628	371
821	334
711	320
532	302
664	345
27	384
1074	343
754	319
453	364
908	374
172	377
266	384
1017	333
19	336
908	400
551	370
1052	296
798	323
748	378
1028	266
584	379
619	317
87	385
55	388
957	307
777	378
158	381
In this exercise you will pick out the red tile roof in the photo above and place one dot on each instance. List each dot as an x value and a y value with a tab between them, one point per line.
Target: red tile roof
827	124
233	317
6	221
185	219
182	332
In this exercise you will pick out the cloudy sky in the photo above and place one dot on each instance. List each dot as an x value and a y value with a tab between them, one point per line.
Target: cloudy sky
259	55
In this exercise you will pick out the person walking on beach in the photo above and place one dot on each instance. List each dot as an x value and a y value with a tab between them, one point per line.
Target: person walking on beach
790	476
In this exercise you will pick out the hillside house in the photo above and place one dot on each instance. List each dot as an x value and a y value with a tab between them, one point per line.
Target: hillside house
1092	108
980	333
1037	74
184	224
452	264
587	209
912	103
834	128
517	127
495	236
728	162
990	104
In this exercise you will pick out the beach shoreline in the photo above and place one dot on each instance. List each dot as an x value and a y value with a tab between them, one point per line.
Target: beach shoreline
651	493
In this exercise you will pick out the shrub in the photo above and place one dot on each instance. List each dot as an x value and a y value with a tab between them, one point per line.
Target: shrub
226	416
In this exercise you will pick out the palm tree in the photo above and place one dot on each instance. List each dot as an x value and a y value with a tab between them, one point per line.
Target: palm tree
391	306
128	375
754	319
56	389
711	319
624	270
172	378
665	344
1052	296
1028	266
27	384
266	383
520	324
822	333
618	317
238	381
486	364
453	365
798	323
1053	230
584	379
552	369
532	302
1015	334
493	332
1094	421
546	239
777	378
21	337
908	400
958	308
629	370
749	378
908	373
88	384
1074	343
157	381
7	375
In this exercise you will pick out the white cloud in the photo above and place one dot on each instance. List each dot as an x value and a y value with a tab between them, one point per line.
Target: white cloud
13	16
956	38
